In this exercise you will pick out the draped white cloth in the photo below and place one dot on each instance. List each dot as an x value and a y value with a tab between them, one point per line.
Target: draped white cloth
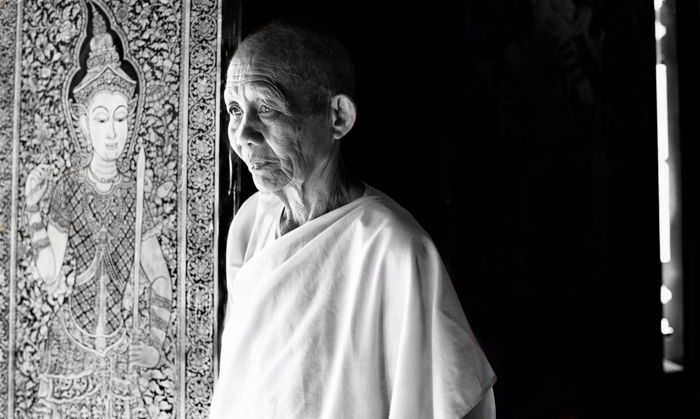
351	315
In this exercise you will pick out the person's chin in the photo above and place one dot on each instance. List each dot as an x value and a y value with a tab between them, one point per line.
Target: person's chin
266	185
110	157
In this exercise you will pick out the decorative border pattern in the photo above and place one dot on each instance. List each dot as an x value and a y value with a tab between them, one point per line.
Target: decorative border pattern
8	25
202	223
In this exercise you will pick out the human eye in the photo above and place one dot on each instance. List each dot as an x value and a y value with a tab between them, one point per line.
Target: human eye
235	111
233	114
270	110
100	117
120	116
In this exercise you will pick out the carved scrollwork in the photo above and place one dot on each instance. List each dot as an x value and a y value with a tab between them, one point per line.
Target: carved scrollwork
171	96
203	64
8	26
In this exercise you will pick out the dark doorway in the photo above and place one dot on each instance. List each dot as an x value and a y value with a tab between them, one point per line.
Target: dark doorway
533	170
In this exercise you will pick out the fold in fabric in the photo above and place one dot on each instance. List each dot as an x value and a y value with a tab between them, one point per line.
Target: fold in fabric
351	315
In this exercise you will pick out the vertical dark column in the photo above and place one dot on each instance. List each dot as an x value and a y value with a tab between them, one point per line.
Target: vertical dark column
634	365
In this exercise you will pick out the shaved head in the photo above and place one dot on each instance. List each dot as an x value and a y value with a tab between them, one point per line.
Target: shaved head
317	65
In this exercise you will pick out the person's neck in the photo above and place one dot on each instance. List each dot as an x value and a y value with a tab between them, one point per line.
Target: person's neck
102	170
327	188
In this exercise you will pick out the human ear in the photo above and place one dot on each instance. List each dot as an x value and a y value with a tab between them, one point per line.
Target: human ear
83	124
79	113
343	114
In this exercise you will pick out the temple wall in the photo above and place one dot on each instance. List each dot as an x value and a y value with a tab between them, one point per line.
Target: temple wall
171	49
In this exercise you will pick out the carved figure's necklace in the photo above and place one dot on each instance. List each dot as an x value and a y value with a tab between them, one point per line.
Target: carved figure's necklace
112	179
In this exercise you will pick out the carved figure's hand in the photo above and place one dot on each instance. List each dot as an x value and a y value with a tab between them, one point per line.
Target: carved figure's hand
142	355
36	184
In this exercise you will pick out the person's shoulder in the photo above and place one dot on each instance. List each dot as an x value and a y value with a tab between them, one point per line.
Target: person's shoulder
241	228
71	176
245	215
249	205
70	181
390	220
250	210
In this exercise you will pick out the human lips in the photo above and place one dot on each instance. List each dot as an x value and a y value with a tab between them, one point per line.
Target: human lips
258	164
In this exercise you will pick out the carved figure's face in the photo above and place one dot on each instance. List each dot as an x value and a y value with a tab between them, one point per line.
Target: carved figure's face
281	141
105	124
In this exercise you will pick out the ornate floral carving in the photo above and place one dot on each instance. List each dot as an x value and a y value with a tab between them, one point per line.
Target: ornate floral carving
201	177
200	331
153	38
199	388
7	36
201	118
198	413
201	147
201	207
199	238
8	22
202	86
201	225
203	57
199	358
5	88
203	28
199	267
203	6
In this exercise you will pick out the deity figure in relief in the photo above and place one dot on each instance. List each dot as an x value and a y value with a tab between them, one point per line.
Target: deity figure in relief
115	307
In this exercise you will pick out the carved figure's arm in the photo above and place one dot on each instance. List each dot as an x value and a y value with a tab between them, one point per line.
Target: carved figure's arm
48	240
160	295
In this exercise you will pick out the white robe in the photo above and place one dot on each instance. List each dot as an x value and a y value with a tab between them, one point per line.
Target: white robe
351	315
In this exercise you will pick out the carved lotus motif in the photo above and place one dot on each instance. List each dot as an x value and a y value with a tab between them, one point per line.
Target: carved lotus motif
199	237
199	358
201	147
200	268
202	56
201	117
201	177
204	28
202	86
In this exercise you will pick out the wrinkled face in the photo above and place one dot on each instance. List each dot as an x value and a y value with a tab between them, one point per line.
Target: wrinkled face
106	124
270	126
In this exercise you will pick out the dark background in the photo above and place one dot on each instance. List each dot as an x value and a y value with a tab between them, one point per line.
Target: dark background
534	170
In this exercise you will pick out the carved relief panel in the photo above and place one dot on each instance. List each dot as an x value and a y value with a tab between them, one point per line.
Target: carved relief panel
108	199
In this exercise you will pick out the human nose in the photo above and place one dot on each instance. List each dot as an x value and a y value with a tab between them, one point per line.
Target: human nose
111	129
248	132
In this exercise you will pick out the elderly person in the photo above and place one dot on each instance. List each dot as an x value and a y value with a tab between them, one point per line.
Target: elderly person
340	306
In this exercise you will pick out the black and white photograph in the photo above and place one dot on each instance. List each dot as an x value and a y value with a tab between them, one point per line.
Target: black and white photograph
400	209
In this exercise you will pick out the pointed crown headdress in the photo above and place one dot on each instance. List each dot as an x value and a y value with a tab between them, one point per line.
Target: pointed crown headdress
104	70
